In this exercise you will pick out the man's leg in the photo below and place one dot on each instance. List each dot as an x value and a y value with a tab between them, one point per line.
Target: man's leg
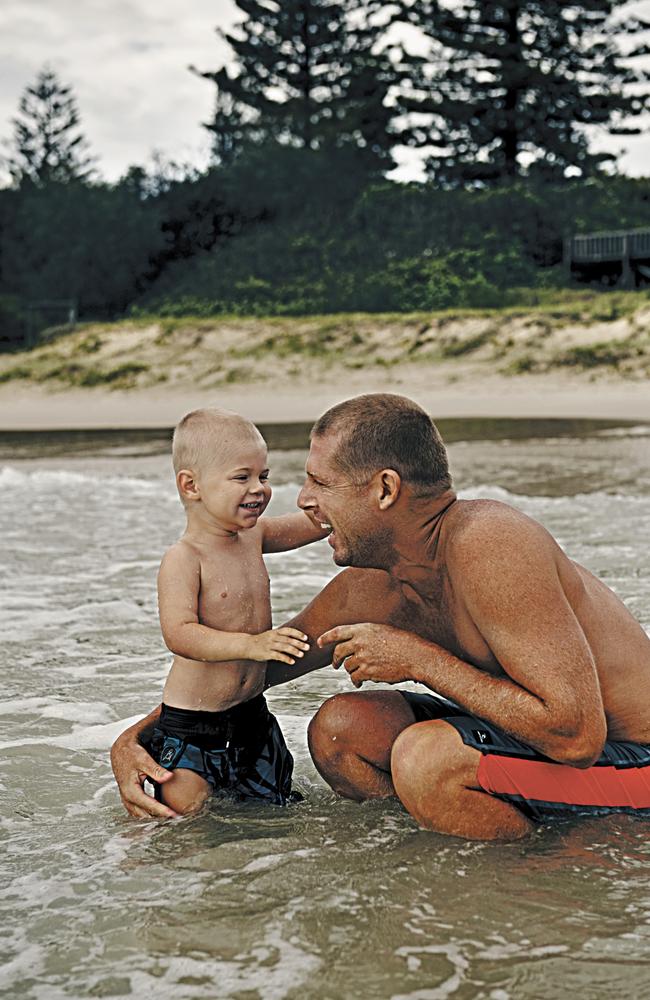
350	740
435	777
367	745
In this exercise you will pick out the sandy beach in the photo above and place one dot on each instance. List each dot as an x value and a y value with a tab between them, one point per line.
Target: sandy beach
146	374
34	408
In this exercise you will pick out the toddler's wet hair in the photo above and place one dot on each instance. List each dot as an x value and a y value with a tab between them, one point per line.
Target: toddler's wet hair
203	436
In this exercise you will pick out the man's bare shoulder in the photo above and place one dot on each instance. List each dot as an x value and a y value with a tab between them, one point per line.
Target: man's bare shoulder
480	529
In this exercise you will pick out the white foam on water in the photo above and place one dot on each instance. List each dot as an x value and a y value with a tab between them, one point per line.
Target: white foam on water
252	973
99	737
639	430
70	711
492	491
28	962
454	956
513	949
113	569
12	478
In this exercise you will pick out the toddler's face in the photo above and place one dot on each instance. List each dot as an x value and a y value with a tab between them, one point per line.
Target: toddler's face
235	489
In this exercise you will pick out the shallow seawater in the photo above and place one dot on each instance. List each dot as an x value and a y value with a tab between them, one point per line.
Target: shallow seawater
325	899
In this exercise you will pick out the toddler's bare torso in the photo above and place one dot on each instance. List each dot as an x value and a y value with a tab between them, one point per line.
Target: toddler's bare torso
234	596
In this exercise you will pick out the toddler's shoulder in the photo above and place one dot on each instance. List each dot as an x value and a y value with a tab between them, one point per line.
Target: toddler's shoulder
181	554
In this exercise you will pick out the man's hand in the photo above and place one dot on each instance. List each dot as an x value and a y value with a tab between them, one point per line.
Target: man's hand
131	766
284	644
372	652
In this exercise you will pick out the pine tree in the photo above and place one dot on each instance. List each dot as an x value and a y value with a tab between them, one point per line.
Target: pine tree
47	143
513	87
309	73
232	123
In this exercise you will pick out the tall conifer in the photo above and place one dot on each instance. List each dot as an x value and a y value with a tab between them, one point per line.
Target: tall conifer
310	73
47	143
514	86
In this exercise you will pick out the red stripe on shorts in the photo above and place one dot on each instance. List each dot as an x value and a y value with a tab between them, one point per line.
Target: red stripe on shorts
539	781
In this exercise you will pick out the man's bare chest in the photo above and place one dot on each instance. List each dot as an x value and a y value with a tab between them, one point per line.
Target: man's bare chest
441	618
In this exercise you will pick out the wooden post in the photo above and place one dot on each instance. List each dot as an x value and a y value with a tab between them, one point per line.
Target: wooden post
567	247
626	271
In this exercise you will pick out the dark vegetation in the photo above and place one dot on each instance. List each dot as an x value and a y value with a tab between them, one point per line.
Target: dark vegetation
295	214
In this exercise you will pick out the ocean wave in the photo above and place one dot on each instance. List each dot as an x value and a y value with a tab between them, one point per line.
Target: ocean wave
12	478
490	491
284	495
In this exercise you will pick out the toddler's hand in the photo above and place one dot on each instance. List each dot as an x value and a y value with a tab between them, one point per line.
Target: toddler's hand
283	644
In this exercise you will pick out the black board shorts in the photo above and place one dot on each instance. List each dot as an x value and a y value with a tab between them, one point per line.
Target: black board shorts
240	752
619	782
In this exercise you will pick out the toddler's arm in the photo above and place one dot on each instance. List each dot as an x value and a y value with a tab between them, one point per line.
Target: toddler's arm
179	581
289	531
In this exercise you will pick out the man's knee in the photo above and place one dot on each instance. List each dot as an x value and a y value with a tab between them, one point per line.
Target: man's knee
330	728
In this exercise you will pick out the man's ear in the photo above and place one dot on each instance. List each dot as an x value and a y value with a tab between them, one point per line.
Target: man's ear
390	485
187	485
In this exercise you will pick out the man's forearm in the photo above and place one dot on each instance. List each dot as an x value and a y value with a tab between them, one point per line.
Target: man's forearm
141	731
280	673
553	730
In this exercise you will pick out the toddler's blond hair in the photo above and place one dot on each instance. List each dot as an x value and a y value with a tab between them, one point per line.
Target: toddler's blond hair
203	436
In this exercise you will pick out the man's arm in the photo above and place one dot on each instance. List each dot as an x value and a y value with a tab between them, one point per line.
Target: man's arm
507	576
289	531
132	765
352	596
179	581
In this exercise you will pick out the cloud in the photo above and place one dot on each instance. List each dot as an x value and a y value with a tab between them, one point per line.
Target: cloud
128	65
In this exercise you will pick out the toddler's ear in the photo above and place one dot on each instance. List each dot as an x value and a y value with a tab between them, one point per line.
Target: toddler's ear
187	485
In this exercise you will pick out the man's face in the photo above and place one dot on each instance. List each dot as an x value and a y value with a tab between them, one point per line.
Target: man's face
331	498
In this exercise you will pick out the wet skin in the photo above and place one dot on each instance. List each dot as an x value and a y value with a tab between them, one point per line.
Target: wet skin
477	602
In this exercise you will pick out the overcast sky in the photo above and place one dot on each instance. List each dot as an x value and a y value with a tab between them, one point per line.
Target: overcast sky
127	61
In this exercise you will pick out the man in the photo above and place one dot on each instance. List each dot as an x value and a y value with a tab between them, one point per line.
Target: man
539	662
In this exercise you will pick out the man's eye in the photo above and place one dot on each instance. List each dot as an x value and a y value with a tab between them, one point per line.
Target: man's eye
264	479
241	479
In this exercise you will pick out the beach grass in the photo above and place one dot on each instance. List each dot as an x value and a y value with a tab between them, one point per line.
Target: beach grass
547	329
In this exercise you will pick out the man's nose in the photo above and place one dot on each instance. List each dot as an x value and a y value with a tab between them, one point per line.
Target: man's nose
304	500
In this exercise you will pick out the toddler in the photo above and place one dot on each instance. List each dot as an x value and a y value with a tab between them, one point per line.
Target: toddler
215	731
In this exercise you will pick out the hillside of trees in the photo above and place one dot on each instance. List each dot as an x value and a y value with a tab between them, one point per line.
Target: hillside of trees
296	214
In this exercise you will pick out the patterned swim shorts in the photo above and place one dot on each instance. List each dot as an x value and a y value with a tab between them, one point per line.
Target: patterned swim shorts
240	751
619	782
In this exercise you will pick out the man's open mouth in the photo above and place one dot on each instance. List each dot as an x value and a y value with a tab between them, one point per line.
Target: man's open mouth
254	505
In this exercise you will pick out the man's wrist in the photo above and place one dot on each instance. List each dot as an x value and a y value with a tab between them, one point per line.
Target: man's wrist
420	665
143	736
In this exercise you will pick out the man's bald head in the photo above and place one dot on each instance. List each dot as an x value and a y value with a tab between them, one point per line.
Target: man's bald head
381	430
211	435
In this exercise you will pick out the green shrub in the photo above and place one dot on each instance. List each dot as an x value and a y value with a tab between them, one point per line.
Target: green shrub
12	323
